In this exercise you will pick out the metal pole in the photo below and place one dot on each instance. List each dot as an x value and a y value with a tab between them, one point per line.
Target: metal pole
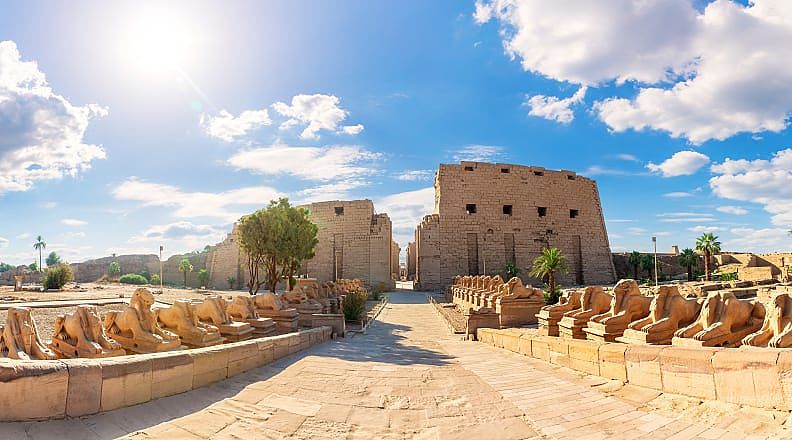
654	241
160	258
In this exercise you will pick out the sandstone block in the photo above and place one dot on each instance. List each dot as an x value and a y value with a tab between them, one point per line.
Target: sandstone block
688	371
209	365
85	387
643	366
524	345
510	340
32	390
584	356
611	361
540	347
126	381
171	373
751	376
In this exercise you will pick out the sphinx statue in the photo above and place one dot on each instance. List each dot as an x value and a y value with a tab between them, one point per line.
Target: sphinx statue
627	305
20	339
549	316
269	305
80	334
212	310
516	303
776	332
668	312
241	308
724	321
593	302
136	328
180	319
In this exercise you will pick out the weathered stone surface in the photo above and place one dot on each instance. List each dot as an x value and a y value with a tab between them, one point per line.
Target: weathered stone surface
510	340
32	389
172	373
540	347
643	366
688	371
209	365
750	376
524	344
85	387
584	356
125	381
612	363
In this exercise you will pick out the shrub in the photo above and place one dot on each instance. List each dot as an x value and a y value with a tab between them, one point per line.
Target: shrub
203	277
155	279
355	306
114	268
57	276
551	297
145	274
231	281
133	278
729	276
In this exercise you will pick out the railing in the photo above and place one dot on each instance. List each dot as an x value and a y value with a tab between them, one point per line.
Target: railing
372	314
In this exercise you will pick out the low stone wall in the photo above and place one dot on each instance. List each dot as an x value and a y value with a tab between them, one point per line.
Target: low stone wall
35	390
759	377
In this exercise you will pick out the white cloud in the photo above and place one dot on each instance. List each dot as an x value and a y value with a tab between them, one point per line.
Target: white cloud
227	127
184	229
768	182
700	229
415	175
317	112
636	231
757	240
48	205
682	163
42	132
73	222
78	234
553	108
735	210
4	242
406	210
627	157
599	170
479	153
592	42
686	217
340	190
309	163
195	204
24	235
677	194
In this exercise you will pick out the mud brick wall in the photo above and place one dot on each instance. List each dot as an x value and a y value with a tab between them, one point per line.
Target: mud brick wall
487	214
411	261
395	251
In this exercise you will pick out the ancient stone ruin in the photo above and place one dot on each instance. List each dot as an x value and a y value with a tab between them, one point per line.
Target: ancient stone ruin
668	312
627	305
181	320
212	310
136	327
20	338
81	334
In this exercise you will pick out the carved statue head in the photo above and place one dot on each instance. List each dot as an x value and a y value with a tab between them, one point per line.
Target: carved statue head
711	309
657	307
589	294
622	290
142	299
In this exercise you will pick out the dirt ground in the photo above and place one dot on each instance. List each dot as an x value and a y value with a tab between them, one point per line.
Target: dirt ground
106	290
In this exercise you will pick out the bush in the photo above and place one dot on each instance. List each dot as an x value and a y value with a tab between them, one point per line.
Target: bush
728	276
155	279
57	276
551	297
355	306
133	278
145	274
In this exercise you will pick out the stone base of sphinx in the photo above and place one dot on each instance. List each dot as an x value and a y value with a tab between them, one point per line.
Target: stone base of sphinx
516	313
235	331
286	320
133	346
731	339
638	337
262	327
569	328
599	332
66	350
305	312
547	326
332	320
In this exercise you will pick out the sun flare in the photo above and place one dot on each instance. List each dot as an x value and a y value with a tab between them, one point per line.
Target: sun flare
158	42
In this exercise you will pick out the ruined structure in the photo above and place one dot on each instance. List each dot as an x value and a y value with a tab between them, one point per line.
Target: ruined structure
136	327
411	261
180	319
593	302
777	329
19	337
212	310
724	321
354	242
549	315
628	305
80	334
241	308
487	214
668	312
394	260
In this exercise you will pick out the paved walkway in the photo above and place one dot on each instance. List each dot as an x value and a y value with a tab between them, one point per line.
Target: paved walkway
408	378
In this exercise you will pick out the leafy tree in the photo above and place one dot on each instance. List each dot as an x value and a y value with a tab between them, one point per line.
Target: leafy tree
57	276
33	266
231	281
708	244
510	270
203	277
39	245
634	260
185	267
114	268
276	239
53	259
546	265
647	264
155	279
4	267
688	258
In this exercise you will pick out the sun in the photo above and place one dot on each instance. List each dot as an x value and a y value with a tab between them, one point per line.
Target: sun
158	42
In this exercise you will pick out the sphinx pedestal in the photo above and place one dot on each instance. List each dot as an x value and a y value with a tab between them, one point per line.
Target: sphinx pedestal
599	332
332	320
518	312
631	336
235	331
306	310
262	326
732	339
286	320
548	322
571	328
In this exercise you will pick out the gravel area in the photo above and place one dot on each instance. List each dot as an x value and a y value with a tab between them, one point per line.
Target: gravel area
45	317
452	316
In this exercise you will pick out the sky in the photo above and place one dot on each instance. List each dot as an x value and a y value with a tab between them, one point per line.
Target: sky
126	125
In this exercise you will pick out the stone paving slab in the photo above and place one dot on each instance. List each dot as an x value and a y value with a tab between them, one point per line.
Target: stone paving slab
406	378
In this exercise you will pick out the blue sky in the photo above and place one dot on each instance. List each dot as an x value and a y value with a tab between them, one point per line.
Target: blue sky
128	125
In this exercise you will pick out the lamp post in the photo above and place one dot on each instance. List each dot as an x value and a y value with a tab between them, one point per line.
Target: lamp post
160	258
654	242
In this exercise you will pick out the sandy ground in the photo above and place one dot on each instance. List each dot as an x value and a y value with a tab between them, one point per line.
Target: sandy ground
107	290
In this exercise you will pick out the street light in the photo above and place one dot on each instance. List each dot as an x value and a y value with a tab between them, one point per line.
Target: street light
160	258
654	241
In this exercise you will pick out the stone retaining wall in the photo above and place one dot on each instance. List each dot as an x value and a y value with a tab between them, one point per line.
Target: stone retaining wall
759	377
34	390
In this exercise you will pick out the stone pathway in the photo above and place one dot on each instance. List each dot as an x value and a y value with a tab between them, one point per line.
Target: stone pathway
406	378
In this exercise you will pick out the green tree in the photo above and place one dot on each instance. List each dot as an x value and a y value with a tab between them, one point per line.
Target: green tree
33	266
688	258
647	264
203	277
39	245
708	244
510	270
185	267
231	281
276	239
5	267
53	259
546	265
114	268
634	260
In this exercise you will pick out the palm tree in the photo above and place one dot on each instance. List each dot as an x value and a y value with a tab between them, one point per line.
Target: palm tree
688	258
647	263
634	260
39	245
708	244
185	267
547	264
